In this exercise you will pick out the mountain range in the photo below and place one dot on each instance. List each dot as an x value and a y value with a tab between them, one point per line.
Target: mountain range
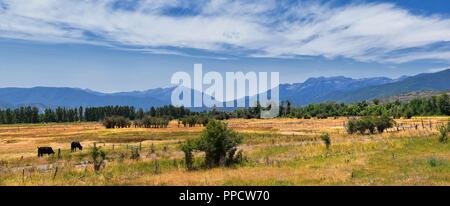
342	89
313	90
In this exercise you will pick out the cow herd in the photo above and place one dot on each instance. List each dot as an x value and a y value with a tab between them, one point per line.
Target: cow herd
49	151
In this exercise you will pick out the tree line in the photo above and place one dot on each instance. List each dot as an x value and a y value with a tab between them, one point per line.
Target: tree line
155	122
420	106
30	114
423	106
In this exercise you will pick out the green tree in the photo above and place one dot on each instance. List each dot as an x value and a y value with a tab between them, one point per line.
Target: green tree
218	142
382	123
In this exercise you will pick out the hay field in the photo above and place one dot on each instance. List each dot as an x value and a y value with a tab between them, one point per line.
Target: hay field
278	152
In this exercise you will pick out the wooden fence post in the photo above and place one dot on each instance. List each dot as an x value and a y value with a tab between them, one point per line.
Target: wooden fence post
56	171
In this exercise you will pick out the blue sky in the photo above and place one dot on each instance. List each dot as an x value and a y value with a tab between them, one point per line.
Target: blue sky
110	45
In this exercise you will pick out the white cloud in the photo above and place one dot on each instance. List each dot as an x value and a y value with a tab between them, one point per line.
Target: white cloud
443	55
365	32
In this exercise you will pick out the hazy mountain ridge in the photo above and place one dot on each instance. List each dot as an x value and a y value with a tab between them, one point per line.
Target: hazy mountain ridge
439	81
70	97
313	90
318	89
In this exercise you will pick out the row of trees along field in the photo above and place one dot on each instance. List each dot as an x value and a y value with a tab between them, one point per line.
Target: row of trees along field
431	106
156	122
89	114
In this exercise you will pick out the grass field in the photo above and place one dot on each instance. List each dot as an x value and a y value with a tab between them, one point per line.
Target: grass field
278	152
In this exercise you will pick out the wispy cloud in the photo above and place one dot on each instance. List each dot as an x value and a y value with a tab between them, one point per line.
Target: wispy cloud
377	32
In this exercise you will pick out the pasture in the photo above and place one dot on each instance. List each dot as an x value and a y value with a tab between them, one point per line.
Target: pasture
278	152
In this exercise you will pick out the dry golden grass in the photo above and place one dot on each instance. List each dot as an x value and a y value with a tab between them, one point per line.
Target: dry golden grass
279	152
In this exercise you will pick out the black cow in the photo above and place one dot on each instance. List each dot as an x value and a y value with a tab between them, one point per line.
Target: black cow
75	145
45	150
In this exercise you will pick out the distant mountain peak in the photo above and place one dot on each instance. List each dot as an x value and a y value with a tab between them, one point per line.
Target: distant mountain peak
313	90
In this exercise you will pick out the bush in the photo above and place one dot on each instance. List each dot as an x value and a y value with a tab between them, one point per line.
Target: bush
443	133
432	162
135	153
382	123
435	162
98	157
195	120
188	147
219	144
190	121
351	126
217	141
116	122
360	125
366	123
152	122
326	140
370	124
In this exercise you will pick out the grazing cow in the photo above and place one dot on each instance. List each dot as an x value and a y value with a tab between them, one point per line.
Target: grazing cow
75	145
45	150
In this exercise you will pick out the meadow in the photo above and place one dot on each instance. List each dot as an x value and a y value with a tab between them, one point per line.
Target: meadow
279	151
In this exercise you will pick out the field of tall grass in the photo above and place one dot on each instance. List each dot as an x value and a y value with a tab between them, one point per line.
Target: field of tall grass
277	152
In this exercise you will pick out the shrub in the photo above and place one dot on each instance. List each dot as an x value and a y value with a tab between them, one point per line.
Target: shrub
370	124
382	123
360	125
217	141
188	147
326	140
435	162
98	157
366	123
153	122
443	133
116	122
195	120
190	121
351	126
219	144
135	153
